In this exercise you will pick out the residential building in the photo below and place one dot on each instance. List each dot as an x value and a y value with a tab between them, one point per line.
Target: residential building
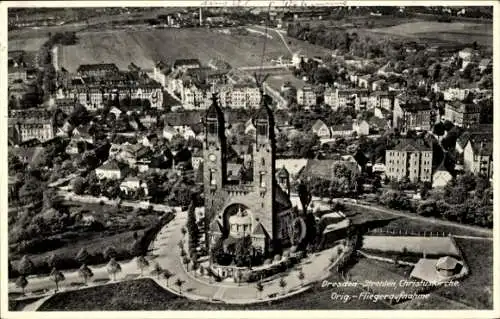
239	95
342	130
411	113
478	157
411	158
467	54
451	94
97	70
362	128
306	96
462	114
186	64
110	169
132	185
484	64
441	177
321	129
41	129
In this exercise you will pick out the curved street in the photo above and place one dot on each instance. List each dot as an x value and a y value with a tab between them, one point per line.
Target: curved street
165	251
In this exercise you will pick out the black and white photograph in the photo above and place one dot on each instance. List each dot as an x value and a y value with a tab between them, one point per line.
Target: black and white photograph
248	155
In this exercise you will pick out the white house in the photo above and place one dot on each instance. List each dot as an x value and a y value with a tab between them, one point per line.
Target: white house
362	128
132	184
441	177
185	131
169	132
321	129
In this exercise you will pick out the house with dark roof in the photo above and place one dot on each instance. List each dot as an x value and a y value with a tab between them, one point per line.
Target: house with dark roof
410	158
110	169
316	168
475	132
97	70
411	113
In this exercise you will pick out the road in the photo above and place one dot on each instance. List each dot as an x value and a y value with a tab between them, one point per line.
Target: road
165	251
280	34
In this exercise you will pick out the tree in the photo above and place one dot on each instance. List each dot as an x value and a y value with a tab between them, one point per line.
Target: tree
78	185
157	270
83	256
167	275
142	263
179	284
53	261
192	227
109	252
31	191
301	277
283	284
85	272
113	268
22	282
242	253
186	261
56	276
259	288
26	266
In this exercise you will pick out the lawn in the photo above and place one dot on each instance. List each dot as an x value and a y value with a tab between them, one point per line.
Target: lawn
18	305
477	289
144	47
145	294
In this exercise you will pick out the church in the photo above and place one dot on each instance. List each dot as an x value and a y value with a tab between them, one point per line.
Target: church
256	203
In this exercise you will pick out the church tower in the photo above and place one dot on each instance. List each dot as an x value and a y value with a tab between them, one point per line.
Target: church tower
264	152
214	158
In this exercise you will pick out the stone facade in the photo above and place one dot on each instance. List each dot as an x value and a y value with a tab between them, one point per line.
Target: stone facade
261	202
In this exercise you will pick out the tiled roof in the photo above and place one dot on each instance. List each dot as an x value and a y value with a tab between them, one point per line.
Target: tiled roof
259	230
412	145
110	166
318	125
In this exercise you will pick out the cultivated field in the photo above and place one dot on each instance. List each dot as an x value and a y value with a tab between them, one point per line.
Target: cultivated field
459	32
33	44
144	47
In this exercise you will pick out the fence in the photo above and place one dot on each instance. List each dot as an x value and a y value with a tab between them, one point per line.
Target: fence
384	231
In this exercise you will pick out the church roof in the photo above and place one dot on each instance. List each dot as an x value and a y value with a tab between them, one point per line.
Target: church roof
282	172
282	201
216	227
260	231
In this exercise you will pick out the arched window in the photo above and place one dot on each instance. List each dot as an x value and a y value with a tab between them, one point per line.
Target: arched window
262	161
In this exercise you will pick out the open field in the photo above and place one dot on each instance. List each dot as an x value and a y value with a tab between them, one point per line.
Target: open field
33	44
458	32
144	47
